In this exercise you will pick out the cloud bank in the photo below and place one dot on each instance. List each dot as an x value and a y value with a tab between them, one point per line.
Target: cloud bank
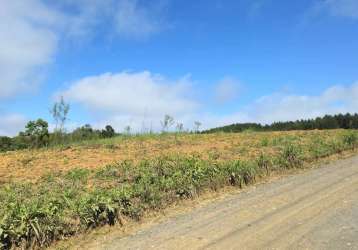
227	90
134	98
141	99
134	20
11	124
30	32
27	43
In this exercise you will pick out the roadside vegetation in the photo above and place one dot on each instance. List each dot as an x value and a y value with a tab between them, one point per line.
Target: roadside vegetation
58	204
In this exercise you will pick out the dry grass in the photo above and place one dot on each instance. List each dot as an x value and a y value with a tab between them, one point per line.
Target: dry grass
32	164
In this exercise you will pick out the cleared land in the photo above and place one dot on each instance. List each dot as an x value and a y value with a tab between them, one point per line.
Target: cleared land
52	194
317	209
30	165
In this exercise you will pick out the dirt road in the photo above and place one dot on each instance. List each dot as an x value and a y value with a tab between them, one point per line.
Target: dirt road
317	209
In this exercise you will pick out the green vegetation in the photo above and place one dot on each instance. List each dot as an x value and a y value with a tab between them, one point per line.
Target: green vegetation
64	204
36	135
346	121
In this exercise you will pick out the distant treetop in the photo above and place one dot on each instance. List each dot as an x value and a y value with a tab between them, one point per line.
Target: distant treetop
343	121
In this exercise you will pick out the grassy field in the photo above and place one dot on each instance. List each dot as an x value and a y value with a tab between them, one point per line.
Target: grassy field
50	194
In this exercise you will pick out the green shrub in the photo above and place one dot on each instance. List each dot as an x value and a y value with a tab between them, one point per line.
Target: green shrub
350	139
5	143
36	133
319	148
264	163
336	146
264	142
241	173
291	156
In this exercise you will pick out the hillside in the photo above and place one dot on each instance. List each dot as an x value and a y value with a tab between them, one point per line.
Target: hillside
55	193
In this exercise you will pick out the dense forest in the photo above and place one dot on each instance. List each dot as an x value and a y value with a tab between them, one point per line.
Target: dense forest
343	121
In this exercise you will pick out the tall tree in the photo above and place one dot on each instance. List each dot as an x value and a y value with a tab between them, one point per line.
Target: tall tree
108	132
37	133
59	113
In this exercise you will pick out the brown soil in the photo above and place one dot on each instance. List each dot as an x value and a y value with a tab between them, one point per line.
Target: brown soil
32	164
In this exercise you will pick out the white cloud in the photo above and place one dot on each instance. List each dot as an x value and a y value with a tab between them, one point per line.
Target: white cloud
133	98
125	18
27	43
141	100
227	90
277	107
135	20
11	124
30	32
283	107
84	16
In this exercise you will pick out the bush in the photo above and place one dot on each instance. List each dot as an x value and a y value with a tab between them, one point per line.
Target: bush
5	143
291	156
350	139
85	132
36	134
319	148
264	163
108	132
264	142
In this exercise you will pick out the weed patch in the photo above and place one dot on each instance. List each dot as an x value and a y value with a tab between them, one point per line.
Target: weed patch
291	156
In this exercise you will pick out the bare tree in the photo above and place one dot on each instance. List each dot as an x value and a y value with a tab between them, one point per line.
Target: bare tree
179	127
59	113
197	126
167	122
127	130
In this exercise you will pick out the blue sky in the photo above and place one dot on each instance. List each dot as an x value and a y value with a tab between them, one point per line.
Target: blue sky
130	62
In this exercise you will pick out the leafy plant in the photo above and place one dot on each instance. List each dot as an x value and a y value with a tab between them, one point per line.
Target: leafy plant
36	133
108	132
264	163
264	142
291	156
350	139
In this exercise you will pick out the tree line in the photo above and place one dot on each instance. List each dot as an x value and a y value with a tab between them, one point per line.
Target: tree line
339	121
37	135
